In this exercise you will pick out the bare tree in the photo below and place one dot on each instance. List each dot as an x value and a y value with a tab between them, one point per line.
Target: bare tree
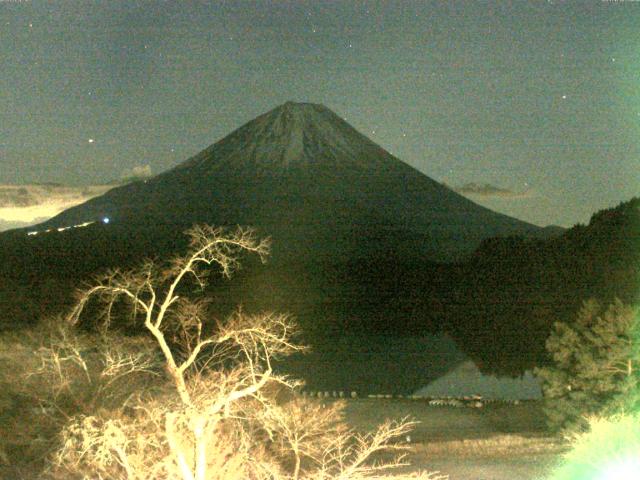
225	413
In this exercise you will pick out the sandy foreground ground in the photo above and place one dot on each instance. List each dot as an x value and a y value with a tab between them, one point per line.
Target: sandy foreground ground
490	464
496	442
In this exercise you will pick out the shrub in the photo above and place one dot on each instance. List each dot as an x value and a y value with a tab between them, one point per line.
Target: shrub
53	372
596	366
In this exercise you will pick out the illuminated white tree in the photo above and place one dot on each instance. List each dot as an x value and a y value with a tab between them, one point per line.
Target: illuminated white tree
225	413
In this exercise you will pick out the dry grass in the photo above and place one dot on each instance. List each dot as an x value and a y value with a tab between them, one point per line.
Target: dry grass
499	445
498	441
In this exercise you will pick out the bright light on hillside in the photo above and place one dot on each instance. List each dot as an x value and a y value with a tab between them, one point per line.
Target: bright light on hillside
610	450
626	469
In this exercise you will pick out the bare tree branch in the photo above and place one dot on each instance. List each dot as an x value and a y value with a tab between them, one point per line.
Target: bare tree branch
223	416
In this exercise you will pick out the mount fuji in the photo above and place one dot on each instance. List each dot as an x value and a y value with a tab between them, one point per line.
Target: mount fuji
368	253
302	175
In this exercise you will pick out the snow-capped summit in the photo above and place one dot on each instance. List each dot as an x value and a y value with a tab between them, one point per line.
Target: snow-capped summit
293	134
303	175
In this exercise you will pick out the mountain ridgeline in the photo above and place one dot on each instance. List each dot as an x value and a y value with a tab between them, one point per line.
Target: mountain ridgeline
367	252
304	176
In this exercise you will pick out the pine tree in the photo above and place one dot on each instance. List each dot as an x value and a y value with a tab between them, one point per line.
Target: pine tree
596	366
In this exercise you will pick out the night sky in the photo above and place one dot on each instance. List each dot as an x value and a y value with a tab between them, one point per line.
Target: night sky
532	109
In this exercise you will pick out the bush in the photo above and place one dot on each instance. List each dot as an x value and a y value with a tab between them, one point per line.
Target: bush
51	373
596	366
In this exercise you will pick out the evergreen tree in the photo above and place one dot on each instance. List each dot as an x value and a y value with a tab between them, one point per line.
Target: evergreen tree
596	366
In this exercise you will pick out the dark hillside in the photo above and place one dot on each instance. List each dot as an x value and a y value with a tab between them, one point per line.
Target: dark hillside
499	304
513	289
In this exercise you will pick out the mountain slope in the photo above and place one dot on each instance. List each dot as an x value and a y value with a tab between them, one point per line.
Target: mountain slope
306	177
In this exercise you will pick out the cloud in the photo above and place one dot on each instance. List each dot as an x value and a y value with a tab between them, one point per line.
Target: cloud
24	205
488	190
11	225
139	171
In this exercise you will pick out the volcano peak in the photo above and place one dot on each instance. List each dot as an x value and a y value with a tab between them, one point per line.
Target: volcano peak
291	135
292	106
301	115
311	180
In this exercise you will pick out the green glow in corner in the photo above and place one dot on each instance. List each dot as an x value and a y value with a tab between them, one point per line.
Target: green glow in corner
620	470
610	451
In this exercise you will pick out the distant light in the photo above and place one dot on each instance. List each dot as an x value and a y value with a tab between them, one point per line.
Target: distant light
91	140
105	220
